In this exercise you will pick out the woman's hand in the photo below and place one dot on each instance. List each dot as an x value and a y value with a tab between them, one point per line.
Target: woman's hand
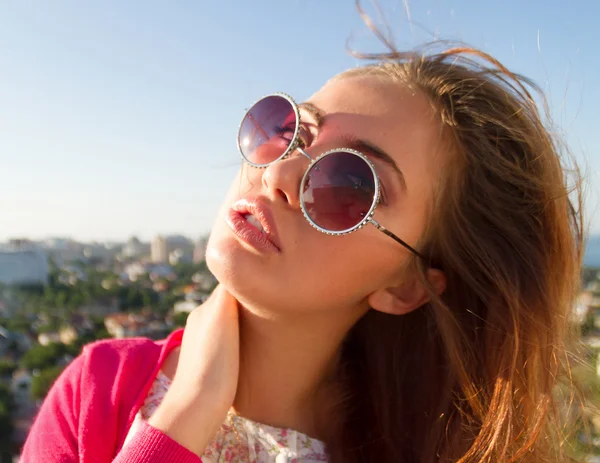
205	381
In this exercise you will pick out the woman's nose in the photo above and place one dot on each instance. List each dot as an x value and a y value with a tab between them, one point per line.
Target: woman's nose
282	178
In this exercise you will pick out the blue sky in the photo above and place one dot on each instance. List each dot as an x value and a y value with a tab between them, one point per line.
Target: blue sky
119	118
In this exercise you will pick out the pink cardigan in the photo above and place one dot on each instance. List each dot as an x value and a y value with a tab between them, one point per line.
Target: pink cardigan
90	408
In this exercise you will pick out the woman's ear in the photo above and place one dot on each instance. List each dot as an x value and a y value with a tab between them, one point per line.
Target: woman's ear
407	296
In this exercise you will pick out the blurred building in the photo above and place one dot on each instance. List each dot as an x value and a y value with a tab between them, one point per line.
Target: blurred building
144	323
102	252
66	335
200	250
157	272
133	248
100	307
205	281
23	262
133	271
12	344
159	251
179	241
25	407
179	256
184	306
192	300
64	250
21	387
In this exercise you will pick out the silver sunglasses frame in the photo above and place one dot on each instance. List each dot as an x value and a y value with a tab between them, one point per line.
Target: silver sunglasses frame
295	145
368	216
295	139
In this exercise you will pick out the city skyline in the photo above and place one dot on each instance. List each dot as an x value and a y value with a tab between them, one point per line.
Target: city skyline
120	120
54	241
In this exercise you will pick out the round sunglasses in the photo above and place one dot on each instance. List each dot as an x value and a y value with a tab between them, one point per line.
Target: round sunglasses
340	189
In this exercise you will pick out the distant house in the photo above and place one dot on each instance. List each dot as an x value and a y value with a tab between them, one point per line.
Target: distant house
68	334
591	297
192	300
21	387
50	337
134	271
25	406
81	323
5	309
197	297
160	286
161	271
205	281
145	323
184	306
179	256
100	307
134	248
6	341
11	342
155	271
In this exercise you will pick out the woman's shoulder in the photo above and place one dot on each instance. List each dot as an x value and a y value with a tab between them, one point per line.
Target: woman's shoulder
126	357
98	392
116	348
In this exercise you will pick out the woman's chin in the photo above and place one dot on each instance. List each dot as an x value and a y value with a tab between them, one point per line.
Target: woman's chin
230	263
243	275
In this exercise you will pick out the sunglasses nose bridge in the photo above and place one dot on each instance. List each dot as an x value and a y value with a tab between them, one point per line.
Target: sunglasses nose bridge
304	153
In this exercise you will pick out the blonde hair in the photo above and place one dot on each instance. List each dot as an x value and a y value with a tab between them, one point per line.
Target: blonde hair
469	377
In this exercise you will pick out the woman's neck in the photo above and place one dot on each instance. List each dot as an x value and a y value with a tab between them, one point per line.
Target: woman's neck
284	363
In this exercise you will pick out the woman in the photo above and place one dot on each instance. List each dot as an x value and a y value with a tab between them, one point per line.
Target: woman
438	340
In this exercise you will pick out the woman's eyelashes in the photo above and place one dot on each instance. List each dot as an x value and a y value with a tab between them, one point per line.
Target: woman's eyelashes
286	133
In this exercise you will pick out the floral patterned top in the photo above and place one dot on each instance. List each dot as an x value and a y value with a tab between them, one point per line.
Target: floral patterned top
253	443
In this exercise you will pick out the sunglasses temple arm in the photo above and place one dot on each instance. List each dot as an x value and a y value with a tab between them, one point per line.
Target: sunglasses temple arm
395	238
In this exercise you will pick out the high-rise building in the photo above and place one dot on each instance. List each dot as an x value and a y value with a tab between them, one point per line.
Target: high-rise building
159	251
23	263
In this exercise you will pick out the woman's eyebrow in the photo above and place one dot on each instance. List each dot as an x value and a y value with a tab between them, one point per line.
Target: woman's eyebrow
378	153
314	111
359	145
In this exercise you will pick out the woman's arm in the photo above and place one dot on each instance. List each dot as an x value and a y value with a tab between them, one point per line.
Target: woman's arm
151	445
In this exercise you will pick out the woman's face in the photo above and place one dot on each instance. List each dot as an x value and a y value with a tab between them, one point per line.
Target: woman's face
312	271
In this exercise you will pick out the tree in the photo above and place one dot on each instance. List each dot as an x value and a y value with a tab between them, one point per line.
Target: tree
41	384
134	298
16	324
75	300
166	303
6	424
7	368
146	299
180	318
61	299
41	357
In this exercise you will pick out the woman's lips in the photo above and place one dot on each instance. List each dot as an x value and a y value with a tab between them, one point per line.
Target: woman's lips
264	240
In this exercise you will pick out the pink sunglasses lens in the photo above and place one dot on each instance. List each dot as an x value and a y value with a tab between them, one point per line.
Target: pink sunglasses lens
339	191
267	130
